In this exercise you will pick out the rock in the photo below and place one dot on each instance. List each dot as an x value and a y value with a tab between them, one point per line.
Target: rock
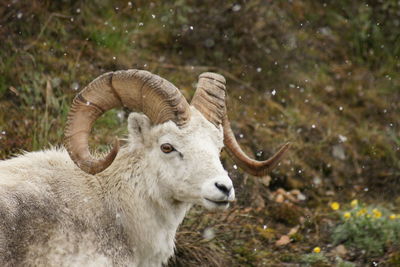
298	195
208	233
293	230
265	180
317	181
338	152
340	251
284	240
279	198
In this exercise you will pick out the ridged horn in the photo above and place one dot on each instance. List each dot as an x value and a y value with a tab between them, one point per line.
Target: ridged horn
209	97
210	100
137	90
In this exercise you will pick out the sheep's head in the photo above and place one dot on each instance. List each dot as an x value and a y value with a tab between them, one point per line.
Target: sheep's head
183	141
182	163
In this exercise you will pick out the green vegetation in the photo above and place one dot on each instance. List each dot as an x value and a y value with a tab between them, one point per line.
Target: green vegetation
370	229
315	259
324	75
342	263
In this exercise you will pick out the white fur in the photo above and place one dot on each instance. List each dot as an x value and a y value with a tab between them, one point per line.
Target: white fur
127	215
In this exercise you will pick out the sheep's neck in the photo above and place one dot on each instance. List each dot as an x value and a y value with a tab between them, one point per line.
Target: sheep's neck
146	218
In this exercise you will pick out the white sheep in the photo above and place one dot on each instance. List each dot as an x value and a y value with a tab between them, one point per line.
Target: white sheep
123	209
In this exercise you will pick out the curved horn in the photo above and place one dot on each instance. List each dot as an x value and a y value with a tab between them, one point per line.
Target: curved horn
254	167
210	100
137	90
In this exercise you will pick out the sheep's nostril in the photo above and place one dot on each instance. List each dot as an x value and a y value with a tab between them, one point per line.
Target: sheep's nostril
223	188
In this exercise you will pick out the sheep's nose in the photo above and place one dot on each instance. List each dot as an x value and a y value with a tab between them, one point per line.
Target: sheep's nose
226	189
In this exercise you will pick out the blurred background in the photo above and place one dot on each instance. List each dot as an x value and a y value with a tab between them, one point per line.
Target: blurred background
323	75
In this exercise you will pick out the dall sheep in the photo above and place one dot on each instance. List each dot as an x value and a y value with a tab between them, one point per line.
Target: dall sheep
67	207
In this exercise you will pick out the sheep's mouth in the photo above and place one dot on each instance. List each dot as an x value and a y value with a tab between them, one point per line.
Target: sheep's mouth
218	202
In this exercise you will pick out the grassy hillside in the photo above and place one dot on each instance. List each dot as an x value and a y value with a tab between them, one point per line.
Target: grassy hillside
323	75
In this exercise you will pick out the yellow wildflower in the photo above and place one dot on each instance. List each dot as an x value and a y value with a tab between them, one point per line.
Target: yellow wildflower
361	212
376	213
354	203
317	250
335	205
347	215
392	216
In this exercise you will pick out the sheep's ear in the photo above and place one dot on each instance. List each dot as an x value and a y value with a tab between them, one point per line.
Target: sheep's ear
138	126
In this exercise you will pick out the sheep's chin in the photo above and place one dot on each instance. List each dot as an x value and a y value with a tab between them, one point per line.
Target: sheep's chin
214	205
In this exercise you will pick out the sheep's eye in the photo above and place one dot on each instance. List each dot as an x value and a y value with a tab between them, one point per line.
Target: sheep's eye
167	148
